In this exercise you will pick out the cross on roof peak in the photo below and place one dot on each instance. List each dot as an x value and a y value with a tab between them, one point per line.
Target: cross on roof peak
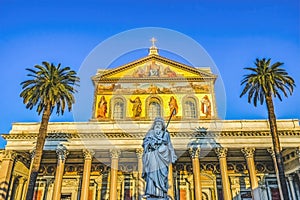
153	49
153	40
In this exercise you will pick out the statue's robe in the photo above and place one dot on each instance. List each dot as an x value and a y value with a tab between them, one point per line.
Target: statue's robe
158	154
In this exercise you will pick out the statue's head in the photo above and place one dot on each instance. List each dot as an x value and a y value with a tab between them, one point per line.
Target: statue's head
158	123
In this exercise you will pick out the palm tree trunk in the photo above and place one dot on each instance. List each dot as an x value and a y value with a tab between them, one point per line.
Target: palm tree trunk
276	146
38	152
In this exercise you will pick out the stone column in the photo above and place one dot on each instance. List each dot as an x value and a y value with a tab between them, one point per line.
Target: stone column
24	189
222	153
292	189
298	153
32	154
98	180
195	153
114	154
88	157
170	182
249	156
6	167
141	190
48	182
12	186
272	153
297	180
62	153
297	173
20	188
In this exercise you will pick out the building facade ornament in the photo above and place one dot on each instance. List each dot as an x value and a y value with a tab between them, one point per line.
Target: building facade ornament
98	179
139	153
298	152
9	155
271	152
62	152
32	153
221	152
248	151
24	158
225	133
115	153
194	151
88	154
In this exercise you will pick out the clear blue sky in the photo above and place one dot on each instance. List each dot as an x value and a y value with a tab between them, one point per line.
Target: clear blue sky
233	33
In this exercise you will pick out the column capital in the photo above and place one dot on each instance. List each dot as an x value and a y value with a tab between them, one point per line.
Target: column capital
98	180
88	154
290	177
298	152
221	152
248	151
139	152
32	150
115	153
271	152
194	152
61	152
8	155
22	179
32	153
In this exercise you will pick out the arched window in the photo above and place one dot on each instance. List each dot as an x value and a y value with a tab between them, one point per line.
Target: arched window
154	108
190	108
118	109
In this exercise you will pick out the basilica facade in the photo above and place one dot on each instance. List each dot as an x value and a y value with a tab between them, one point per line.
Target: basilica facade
102	158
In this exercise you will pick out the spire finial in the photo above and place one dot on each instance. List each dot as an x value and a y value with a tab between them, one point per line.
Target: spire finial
153	49
153	40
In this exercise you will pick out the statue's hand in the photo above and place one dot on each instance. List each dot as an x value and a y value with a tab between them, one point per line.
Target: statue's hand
150	147
164	141
159	141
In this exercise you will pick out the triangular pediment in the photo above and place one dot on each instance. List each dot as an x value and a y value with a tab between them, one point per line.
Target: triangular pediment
153	67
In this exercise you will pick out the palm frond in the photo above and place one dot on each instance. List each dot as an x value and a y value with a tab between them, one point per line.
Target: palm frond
266	80
49	84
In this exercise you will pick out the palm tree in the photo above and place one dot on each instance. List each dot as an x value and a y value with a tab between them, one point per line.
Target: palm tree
263	83
50	86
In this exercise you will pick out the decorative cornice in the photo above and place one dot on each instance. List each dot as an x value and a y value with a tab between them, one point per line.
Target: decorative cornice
32	136
90	134
149	79
143	60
